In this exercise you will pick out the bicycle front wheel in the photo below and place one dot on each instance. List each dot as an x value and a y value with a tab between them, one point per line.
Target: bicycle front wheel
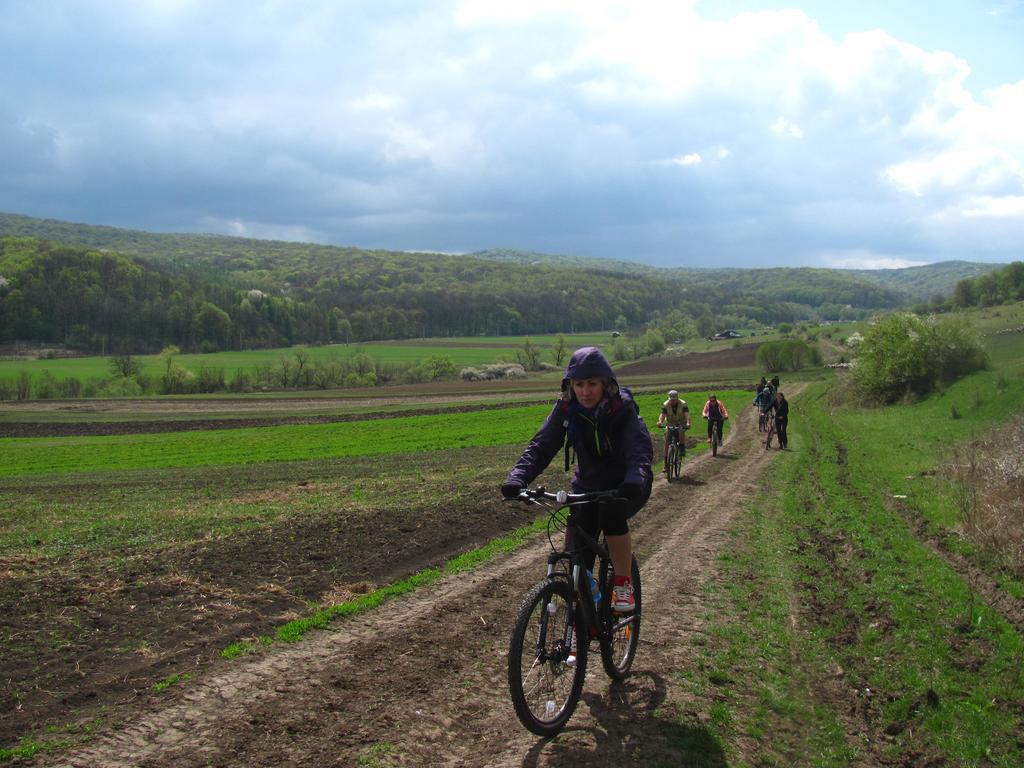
671	462
545	689
676	463
715	440
621	630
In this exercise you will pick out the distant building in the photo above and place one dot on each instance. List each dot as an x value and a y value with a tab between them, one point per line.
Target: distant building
730	334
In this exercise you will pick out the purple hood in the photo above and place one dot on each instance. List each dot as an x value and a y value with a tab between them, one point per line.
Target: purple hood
587	363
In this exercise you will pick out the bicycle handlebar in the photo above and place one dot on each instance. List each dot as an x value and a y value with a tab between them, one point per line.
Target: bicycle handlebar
563	498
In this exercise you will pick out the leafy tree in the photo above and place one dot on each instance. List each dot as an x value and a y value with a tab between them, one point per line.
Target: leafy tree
529	356
905	354
787	355
706	326
439	367
212	327
168	355
652	342
559	350
125	366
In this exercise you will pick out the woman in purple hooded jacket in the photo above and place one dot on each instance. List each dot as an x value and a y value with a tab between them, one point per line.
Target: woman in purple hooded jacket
600	423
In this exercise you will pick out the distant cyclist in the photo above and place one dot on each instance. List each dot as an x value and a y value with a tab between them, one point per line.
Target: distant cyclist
674	413
715	413
781	409
760	384
765	394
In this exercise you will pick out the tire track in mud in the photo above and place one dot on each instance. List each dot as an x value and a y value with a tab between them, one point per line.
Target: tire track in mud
424	676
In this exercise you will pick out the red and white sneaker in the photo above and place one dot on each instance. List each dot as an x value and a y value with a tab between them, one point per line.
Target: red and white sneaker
622	597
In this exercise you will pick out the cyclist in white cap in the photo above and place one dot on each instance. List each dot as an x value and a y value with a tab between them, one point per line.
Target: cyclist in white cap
674	413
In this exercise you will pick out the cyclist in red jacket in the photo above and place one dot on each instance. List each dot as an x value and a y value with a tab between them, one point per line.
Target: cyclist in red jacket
714	411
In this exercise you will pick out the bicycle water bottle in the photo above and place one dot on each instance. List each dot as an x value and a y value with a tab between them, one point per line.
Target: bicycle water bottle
595	590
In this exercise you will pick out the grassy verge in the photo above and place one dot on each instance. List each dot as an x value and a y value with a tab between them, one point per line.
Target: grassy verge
834	634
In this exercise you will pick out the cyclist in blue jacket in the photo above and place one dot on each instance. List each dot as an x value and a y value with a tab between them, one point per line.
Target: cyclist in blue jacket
599	421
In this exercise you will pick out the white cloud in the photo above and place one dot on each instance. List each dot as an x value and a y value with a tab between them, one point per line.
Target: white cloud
693	158
260	230
1009	206
783	127
861	259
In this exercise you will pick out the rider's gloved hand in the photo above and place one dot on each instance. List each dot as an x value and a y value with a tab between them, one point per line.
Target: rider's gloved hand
510	489
631	491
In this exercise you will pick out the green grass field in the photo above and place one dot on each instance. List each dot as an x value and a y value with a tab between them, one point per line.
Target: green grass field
832	596
463	351
401	435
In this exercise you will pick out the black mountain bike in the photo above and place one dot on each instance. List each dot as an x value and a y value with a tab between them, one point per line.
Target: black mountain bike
676	451
547	659
716	436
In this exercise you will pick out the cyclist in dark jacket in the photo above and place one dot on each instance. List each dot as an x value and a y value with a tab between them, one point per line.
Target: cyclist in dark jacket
781	408
599	422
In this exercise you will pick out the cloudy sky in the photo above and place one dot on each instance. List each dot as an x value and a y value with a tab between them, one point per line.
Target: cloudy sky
715	132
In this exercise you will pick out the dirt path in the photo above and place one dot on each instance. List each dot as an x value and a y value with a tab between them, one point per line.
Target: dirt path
424	676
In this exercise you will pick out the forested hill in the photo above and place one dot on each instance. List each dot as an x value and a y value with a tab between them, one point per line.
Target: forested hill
804	285
929	281
103	288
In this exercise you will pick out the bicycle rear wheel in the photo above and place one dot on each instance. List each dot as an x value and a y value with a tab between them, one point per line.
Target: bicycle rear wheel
545	690
621	631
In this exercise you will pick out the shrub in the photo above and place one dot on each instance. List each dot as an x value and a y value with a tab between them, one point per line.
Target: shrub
23	385
495	371
71	387
433	368
904	354
987	477
177	380
210	380
355	379
241	381
119	387
47	387
787	355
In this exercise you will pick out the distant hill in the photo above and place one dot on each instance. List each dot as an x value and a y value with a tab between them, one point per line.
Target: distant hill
926	282
909	283
217	292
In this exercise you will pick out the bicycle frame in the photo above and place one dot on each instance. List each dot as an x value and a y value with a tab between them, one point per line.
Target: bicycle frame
678	430
573	555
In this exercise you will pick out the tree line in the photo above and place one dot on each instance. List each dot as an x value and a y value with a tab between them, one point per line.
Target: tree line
1002	286
105	302
105	290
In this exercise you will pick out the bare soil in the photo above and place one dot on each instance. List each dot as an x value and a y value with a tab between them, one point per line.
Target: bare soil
128	427
424	675
742	356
